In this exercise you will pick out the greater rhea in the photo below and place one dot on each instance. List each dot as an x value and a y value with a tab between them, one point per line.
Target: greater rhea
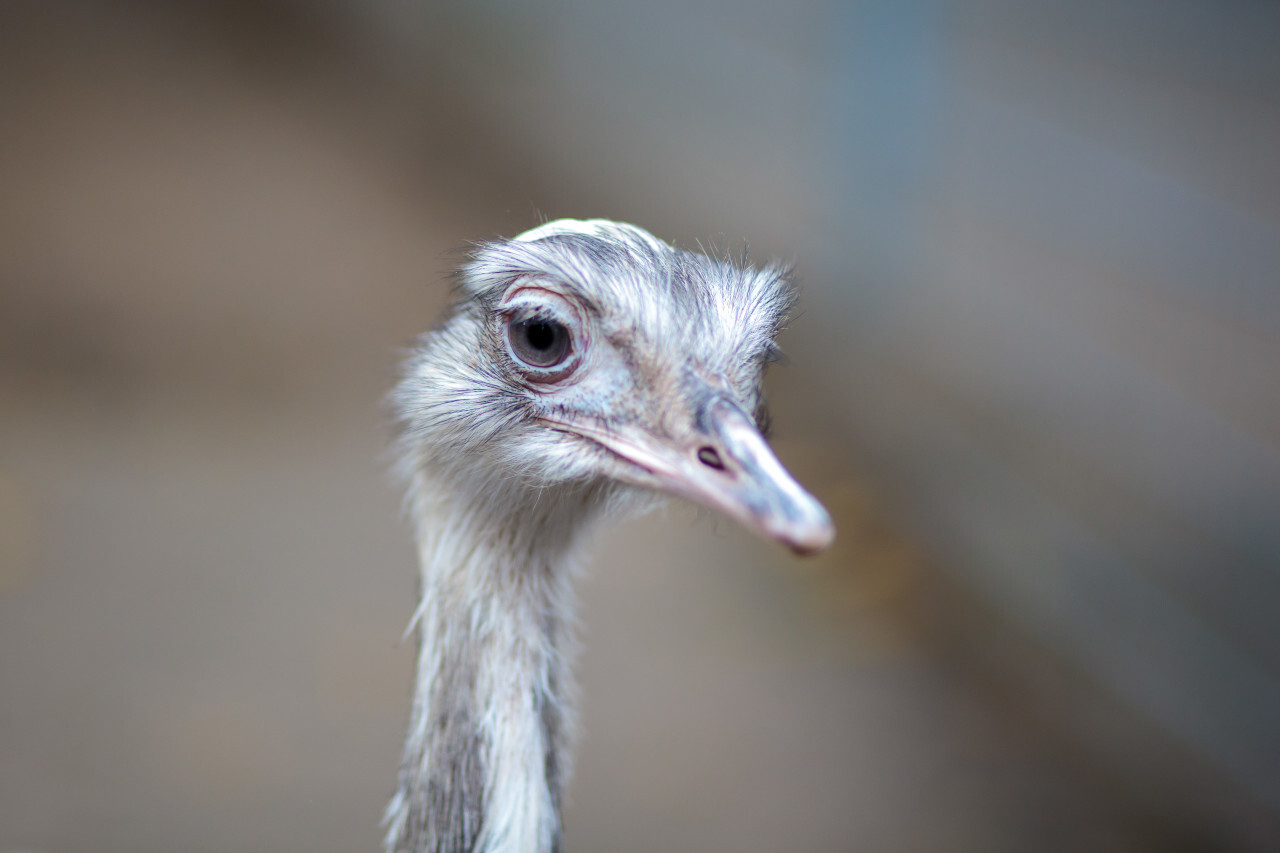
585	367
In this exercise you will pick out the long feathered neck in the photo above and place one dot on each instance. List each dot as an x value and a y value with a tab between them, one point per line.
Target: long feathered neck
485	759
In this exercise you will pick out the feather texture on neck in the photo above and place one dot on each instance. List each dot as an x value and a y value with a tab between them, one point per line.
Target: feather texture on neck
485	762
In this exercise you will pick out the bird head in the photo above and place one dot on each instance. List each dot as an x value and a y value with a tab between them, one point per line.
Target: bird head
590	352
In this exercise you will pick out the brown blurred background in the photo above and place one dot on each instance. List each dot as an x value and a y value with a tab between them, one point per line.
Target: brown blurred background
1036	377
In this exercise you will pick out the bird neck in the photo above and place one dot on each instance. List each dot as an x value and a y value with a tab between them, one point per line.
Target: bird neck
485	759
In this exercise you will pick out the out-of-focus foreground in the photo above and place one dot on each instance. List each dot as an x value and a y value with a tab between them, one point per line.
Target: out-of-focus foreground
1034	376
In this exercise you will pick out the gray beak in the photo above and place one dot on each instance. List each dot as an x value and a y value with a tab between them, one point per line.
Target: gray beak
725	464
736	473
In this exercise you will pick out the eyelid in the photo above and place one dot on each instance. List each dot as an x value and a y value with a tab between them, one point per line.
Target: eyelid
544	296
525	313
533	302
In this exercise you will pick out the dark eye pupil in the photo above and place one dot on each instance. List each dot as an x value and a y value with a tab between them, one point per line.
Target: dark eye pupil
541	336
539	342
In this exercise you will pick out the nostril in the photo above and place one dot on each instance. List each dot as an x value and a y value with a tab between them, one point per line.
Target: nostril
709	457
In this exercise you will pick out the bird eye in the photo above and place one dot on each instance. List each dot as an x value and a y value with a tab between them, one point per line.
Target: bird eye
539	342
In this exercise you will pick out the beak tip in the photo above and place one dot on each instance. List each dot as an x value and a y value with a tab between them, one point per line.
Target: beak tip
812	542
811	537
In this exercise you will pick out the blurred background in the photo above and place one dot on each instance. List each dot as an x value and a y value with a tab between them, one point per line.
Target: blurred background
1035	375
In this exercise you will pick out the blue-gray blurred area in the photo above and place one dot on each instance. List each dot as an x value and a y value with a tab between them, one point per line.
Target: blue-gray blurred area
1035	374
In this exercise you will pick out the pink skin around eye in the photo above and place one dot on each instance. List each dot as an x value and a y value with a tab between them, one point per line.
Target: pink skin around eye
558	308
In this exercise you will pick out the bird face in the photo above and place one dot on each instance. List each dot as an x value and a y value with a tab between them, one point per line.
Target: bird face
589	350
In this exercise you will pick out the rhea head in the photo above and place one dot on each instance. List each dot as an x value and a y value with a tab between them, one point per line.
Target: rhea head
589	355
